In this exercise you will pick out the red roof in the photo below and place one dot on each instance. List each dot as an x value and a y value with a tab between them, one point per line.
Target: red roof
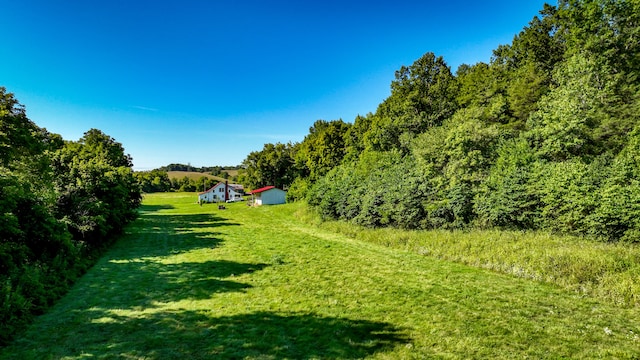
262	189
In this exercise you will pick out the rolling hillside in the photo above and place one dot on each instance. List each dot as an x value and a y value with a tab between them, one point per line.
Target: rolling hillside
192	175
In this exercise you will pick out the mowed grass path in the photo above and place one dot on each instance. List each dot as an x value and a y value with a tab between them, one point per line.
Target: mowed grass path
191	282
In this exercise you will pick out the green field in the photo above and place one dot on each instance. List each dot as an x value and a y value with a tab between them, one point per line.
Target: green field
192	282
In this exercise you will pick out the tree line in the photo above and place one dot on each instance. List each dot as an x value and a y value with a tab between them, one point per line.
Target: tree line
158	180
61	203
543	136
213	170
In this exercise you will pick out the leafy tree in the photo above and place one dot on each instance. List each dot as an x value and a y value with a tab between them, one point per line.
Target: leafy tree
567	194
617	211
379	189
18	135
479	85
354	137
322	149
37	257
422	96
525	90
526	66
507	198
153	181
52	193
98	194
575	115
455	158
273	165
541	137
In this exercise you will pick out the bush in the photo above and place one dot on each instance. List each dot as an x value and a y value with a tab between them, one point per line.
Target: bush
379	189
298	189
506	198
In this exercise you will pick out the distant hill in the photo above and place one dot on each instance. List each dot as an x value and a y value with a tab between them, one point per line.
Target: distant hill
192	175
179	171
204	169
231	172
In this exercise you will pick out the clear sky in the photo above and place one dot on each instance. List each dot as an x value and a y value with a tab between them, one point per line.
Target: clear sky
207	82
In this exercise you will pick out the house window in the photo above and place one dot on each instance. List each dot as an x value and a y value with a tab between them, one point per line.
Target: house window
220	190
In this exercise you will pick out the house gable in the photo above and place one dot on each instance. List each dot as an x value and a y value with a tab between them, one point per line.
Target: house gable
217	193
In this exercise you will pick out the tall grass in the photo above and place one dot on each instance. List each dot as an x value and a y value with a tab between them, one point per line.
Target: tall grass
609	271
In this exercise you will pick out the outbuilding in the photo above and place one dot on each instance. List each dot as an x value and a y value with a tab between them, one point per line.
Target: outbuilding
268	195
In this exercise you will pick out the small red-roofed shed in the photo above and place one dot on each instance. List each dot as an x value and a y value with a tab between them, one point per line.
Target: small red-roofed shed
268	195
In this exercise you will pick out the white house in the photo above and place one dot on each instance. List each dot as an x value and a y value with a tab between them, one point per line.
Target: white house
269	195
222	192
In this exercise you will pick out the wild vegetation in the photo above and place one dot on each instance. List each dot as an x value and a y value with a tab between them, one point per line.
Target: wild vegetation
262	283
61	203
543	137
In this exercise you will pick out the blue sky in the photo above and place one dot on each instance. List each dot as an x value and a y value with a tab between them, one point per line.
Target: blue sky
207	82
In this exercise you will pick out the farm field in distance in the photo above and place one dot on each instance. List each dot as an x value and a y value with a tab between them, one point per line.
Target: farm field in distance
193	175
191	281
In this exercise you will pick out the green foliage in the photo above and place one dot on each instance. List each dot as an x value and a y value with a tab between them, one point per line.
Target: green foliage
454	158
49	191
19	136
323	149
298	189
539	138
567	194
153	181
98	194
506	198
272	166
564	126
526	89
483	88
213	170
617	215
380	189
422	95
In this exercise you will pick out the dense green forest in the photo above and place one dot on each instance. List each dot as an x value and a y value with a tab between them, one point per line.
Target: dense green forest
544	136
61	203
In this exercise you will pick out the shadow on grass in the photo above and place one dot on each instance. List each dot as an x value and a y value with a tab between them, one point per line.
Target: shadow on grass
145	276
142	270
195	335
153	208
189	222
154	235
144	283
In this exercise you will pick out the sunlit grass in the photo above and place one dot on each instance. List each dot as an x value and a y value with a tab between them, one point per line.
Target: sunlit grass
609	271
198	282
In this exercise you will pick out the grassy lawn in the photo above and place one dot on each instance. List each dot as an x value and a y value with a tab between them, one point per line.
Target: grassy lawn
192	282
